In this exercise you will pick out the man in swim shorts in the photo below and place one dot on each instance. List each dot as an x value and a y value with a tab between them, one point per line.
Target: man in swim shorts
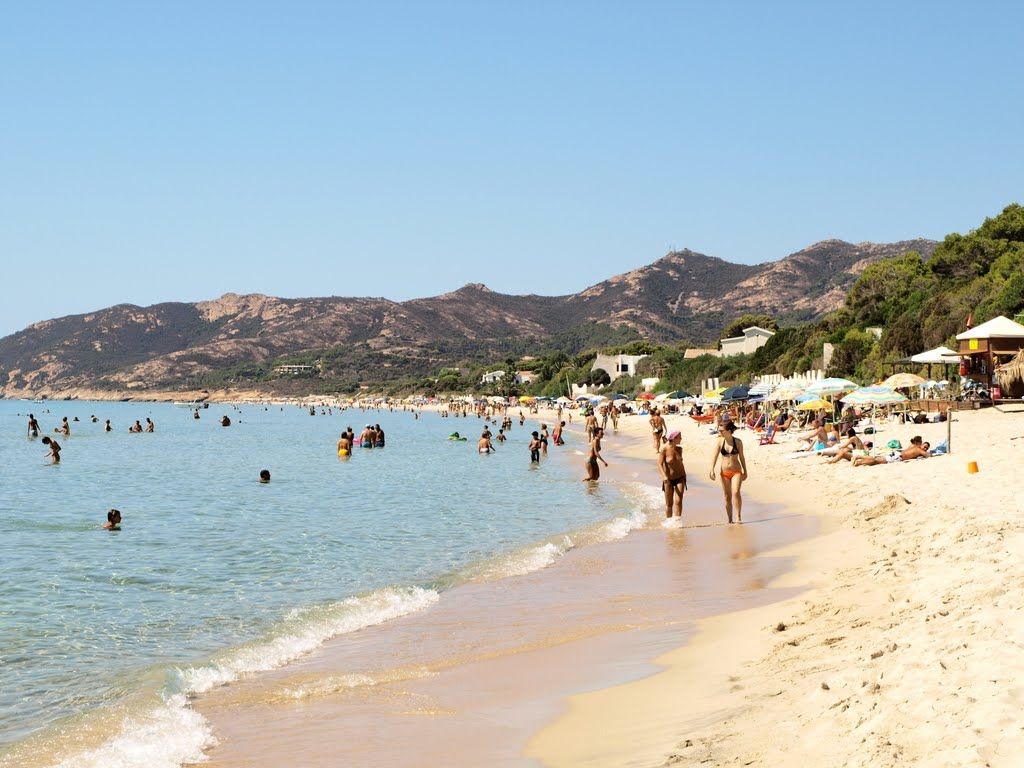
673	475
33	426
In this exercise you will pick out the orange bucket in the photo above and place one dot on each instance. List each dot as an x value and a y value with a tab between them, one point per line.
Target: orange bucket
972	467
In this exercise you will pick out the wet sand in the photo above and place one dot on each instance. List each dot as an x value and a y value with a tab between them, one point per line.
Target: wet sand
470	681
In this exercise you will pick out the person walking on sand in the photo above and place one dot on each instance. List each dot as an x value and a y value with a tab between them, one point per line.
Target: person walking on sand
54	453
733	471
33	426
673	475
657	428
593	456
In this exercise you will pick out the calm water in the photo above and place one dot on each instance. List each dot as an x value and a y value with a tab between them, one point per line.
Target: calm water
215	575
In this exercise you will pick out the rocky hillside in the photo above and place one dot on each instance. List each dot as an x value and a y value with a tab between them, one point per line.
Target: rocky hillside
684	295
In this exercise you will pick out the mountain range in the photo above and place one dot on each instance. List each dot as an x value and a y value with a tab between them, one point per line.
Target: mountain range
684	296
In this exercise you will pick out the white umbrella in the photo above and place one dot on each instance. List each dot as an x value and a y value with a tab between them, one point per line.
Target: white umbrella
873	396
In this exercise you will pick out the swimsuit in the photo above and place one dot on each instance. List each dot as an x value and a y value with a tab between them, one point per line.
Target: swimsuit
729	474
674	483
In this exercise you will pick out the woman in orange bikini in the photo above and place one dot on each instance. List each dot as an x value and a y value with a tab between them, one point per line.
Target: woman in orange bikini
729	450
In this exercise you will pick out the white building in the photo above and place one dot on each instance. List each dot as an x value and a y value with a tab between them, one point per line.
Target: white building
753	339
525	377
492	377
617	365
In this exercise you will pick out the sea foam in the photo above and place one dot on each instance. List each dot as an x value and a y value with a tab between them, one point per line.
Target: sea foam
302	631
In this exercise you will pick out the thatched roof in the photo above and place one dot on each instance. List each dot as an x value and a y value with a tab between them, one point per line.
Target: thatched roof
1011	372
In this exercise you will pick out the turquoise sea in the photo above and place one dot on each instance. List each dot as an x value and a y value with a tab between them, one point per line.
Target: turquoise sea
105	635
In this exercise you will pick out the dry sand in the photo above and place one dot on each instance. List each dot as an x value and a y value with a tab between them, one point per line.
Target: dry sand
906	648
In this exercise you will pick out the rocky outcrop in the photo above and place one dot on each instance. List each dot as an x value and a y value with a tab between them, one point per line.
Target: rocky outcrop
684	295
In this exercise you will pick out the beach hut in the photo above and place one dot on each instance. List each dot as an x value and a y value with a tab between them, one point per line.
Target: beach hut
1011	376
991	344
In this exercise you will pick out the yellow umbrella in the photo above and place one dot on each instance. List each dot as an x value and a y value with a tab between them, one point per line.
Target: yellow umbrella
814	405
903	380
526	399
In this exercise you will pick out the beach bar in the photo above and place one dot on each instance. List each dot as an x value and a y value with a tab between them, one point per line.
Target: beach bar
989	345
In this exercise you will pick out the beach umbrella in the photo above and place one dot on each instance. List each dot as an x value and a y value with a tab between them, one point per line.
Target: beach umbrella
661	398
679	394
618	396
903	380
735	394
831	386
805	397
645	396
525	399
563	400
875	395
785	391
761	388
814	405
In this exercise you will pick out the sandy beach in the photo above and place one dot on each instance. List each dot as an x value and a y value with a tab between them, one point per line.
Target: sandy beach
903	646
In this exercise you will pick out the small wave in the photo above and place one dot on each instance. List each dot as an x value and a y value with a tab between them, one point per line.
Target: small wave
167	736
302	632
520	562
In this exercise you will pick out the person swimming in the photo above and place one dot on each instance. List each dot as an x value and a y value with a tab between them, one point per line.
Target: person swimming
113	521
264	476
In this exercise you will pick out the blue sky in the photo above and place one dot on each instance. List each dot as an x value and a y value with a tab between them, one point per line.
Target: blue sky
157	152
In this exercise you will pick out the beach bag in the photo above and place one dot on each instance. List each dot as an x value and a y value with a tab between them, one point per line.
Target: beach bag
894	445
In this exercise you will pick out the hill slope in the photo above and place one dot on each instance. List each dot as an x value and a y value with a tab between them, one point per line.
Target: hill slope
684	295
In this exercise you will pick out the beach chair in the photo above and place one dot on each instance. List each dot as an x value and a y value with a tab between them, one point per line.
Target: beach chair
768	436
704	418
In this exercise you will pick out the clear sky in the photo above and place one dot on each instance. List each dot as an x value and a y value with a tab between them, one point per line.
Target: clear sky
176	151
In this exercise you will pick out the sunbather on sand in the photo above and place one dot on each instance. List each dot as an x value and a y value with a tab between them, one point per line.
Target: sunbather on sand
847	449
915	451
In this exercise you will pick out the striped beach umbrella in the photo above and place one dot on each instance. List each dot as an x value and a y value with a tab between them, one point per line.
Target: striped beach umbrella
873	396
831	386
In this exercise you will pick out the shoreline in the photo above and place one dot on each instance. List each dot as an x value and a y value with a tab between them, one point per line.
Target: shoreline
580	623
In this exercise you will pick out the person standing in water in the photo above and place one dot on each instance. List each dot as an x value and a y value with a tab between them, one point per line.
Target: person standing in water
484	443
534	448
150	426
368	437
65	427
593	456
107	426
378	440
54	453
33	426
733	471
657	428
673	475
